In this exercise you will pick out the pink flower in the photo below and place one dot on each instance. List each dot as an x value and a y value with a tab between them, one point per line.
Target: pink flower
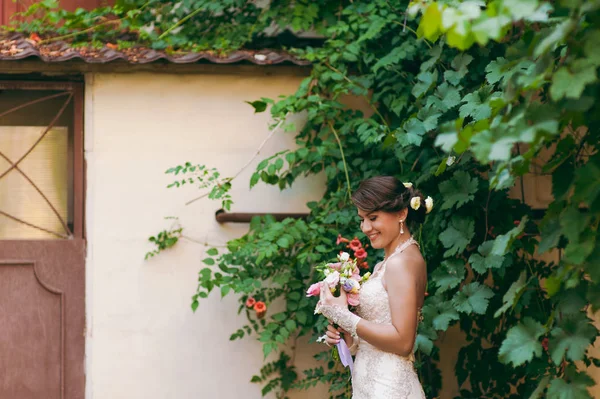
333	279
335	266
353	299
314	290
355	244
360	254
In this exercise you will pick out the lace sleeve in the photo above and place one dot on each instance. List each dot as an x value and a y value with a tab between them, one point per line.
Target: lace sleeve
342	317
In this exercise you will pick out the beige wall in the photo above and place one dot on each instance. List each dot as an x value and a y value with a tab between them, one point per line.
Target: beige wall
143	341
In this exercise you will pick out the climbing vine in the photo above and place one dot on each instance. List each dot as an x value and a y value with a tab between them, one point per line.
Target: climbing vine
464	98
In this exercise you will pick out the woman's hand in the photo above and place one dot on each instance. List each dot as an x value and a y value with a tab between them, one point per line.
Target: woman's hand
327	298
333	337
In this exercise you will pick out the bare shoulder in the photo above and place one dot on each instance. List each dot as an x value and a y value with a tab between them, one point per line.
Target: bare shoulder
410	263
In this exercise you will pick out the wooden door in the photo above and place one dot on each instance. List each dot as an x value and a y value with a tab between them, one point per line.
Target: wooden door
42	244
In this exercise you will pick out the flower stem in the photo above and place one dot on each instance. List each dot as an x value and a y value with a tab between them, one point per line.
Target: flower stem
343	158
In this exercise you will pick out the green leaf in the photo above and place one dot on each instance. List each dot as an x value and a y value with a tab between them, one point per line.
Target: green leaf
576	388
474	107
512	295
550	233
404	51
290	325
259	106
268	348
430	25
209	261
212	252
473	298
441	313
449	275
556	36
496	70
485	260
573	335
225	290
503	242
539	390
425	81
283	242
571	85
577	252
449	95
458	235
522	343
424	344
459	190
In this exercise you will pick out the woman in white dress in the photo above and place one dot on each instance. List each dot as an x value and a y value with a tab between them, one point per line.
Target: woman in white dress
382	332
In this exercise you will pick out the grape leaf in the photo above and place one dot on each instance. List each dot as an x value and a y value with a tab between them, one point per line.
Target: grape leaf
473	298
572	336
449	274
522	343
459	190
458	235
485	260
512	295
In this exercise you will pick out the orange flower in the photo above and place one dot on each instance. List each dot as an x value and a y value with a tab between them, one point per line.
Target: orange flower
250	302
340	240
260	309
360	254
363	265
355	244
35	37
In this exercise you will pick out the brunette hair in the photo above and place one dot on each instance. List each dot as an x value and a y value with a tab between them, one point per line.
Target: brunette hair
388	194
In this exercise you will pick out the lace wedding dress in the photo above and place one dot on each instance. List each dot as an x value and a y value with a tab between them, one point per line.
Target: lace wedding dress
378	374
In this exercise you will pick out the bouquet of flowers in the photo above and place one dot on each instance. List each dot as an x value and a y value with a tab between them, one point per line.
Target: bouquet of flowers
343	274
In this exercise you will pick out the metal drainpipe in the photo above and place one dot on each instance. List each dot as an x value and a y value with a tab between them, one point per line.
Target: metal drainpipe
234	217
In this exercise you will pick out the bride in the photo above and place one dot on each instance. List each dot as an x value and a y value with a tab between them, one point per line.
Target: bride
382	333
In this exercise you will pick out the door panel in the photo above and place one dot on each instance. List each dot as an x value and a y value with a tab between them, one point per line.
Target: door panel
42	245
43	318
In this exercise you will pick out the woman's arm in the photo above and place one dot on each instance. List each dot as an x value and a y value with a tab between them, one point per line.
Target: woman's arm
404	279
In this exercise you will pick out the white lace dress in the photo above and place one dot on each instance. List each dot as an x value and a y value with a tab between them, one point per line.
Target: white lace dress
378	374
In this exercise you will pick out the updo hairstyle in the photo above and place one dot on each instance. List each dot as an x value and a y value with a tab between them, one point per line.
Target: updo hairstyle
388	194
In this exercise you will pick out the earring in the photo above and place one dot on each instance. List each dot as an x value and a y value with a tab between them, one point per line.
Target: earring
402	227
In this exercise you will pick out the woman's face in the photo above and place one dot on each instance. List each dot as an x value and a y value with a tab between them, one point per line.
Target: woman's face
381	227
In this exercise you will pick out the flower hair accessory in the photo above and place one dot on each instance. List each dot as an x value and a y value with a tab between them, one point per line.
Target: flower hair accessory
429	204
407	185
415	203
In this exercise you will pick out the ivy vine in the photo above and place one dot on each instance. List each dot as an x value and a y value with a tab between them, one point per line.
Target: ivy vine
466	98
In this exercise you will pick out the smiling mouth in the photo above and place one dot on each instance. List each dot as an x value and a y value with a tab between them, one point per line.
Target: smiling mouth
373	236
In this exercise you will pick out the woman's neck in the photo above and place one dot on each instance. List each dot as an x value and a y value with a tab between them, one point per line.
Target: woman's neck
395	243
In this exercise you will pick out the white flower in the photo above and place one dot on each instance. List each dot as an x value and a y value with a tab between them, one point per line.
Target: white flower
429	204
415	203
407	185
344	256
450	160
333	279
260	57
321	338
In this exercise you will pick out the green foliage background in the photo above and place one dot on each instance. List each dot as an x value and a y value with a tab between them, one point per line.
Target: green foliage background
465	96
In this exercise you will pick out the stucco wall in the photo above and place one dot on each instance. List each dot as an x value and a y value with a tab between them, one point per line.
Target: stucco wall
143	341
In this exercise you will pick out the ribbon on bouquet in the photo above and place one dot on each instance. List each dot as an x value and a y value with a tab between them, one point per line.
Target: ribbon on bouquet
345	355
